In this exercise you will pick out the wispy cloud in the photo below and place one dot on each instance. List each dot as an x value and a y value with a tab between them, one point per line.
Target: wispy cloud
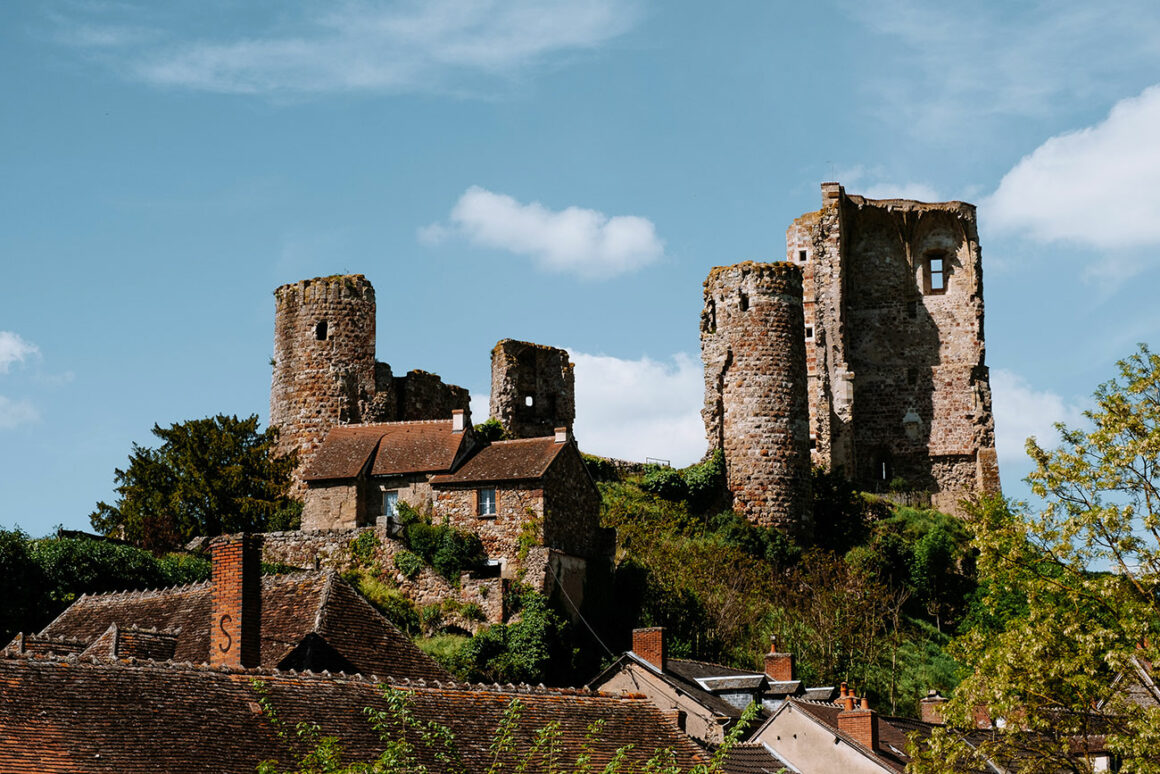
1098	187
1021	411
14	349
582	242
953	66
353	46
16	412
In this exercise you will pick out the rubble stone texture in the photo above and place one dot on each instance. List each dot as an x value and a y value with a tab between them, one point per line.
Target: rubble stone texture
899	391
755	389
325	373
533	388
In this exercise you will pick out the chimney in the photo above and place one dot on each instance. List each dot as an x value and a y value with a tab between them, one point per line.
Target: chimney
861	724
457	421
649	644
778	666
930	707
561	435
235	629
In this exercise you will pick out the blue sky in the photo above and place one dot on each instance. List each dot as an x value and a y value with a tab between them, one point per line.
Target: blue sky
565	173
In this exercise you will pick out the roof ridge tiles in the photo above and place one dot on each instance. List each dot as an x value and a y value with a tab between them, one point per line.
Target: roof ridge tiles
136	593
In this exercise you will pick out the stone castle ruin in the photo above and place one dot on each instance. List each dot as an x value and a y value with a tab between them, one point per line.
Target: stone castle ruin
890	294
533	388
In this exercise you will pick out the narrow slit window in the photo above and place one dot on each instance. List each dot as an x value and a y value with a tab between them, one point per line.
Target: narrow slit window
809	333
320	331
936	273
743	304
801	256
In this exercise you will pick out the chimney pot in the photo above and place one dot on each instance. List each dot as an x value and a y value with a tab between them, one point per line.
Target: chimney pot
561	435
778	666
930	708
860	724
649	644
457	421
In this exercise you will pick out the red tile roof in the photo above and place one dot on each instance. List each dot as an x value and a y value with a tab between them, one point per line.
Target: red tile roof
393	448
78	716
522	459
293	606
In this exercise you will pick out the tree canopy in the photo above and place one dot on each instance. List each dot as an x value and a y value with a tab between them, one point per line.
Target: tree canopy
1070	614
209	476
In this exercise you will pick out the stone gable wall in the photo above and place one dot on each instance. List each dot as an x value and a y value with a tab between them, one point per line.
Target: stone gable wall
519	508
572	508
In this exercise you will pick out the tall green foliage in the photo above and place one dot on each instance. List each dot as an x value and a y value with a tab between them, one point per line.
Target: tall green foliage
1057	627
208	477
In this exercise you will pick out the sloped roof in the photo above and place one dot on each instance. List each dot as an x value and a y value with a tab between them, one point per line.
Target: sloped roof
293	606
80	716
516	460
754	758
392	448
683	675
892	740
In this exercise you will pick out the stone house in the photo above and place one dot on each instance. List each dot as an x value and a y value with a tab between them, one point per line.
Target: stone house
707	699
531	501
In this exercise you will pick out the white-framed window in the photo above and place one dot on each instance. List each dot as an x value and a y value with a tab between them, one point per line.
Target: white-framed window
485	501
391	511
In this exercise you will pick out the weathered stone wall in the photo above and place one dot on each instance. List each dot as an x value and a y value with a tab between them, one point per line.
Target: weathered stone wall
755	388
333	505
332	550
324	360
899	388
533	388
417	395
519	510
572	509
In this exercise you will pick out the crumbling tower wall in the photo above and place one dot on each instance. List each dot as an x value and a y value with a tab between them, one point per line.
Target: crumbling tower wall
324	360
533	388
756	410
899	390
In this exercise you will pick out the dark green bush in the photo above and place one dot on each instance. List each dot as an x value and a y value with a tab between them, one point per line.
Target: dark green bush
491	430
408	563
364	547
458	552
664	482
705	481
601	469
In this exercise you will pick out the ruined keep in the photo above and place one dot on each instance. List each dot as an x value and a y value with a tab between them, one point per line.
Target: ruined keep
755	389
899	392
533	388
325	372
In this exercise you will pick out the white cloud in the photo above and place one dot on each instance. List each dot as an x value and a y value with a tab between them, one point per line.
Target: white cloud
917	191
14	349
1021	411
632	409
352	46
577	241
16	412
1099	186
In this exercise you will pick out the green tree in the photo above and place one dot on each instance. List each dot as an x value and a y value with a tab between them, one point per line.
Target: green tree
1070	595
209	476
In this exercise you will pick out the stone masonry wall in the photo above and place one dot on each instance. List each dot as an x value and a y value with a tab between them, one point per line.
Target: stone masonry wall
899	389
332	550
324	360
755	388
519	510
533	388
572	507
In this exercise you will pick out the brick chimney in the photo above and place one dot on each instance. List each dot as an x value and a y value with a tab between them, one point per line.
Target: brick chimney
235	629
861	724
930	707
778	666
649	644
457	421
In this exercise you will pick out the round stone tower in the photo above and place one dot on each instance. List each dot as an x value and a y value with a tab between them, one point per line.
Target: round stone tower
753	348
324	360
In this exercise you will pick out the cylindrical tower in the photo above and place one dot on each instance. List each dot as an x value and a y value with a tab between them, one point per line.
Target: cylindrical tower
324	360
753	348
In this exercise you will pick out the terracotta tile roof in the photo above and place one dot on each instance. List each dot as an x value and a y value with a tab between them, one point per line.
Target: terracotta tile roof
79	716
522	459
393	448
293	606
892	741
682	675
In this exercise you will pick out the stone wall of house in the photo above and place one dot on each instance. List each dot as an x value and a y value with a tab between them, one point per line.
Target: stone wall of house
324	360
333	505
325	373
572	507
332	550
755	389
533	388
898	386
518	523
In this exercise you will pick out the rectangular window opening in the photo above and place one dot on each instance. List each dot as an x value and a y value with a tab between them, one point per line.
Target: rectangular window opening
485	501
935	272
391	512
801	256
